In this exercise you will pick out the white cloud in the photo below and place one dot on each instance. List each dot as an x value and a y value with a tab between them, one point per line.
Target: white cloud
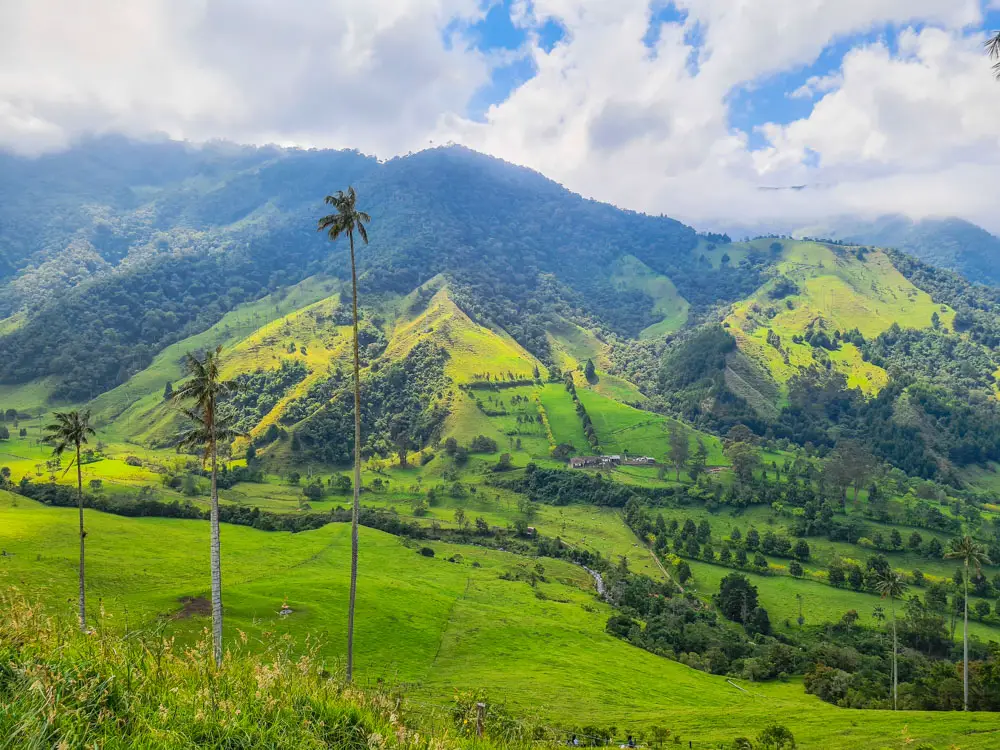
915	129
375	75
650	131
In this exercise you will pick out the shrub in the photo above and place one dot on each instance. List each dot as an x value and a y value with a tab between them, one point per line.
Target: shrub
427	552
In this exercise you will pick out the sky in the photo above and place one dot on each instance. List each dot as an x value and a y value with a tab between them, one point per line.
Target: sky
697	109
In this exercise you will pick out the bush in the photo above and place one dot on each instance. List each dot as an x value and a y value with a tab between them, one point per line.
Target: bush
427	552
483	444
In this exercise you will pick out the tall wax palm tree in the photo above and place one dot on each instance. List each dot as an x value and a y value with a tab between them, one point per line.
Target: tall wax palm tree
891	586
203	392
70	430
972	554
348	220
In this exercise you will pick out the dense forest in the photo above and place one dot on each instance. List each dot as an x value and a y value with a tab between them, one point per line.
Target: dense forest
166	256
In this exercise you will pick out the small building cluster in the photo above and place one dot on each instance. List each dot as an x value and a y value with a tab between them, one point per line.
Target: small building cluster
586	462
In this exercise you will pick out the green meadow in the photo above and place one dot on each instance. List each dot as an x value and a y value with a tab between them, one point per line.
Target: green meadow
434	623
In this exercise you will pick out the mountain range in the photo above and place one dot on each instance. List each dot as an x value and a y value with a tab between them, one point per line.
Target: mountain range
116	256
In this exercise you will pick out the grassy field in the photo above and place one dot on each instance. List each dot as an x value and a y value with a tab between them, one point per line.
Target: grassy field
433	624
563	419
625	429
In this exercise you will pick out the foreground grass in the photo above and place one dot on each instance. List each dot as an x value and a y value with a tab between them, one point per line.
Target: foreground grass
431	626
141	689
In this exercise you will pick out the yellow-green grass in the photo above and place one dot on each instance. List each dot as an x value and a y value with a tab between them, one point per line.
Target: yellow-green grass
531	432
435	625
33	397
617	388
983	478
630	273
572	345
625	429
737	252
12	322
28	456
567	427
842	292
473	349
136	411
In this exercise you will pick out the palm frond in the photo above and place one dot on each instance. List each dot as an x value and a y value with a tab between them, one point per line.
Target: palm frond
70	430
993	50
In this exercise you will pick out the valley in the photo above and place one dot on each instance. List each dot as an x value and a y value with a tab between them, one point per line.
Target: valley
821	417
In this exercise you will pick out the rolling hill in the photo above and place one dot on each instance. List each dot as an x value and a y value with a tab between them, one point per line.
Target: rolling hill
820	393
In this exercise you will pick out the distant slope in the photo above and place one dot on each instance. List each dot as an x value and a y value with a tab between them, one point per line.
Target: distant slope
952	244
136	410
631	273
827	289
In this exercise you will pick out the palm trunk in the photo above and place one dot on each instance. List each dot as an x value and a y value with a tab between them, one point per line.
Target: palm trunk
895	669
357	470
83	534
216	558
965	642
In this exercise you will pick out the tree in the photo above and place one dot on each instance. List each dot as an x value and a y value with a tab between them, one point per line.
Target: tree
70	430
895	539
348	220
589	371
744	458
801	549
4	432
696	466
737	598
776	737
971	553
850	465
890	584
680	448
203	391
168	391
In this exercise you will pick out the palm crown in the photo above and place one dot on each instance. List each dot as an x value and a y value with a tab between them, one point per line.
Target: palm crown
348	219
68	431
890	585
993	48
204	389
969	551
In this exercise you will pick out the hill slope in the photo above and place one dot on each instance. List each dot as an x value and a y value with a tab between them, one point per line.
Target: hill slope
949	243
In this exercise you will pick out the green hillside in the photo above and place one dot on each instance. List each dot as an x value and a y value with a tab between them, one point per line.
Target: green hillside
820	416
828	288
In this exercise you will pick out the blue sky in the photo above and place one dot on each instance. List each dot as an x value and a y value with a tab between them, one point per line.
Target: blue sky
764	101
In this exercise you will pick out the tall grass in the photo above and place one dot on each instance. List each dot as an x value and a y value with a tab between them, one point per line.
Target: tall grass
141	689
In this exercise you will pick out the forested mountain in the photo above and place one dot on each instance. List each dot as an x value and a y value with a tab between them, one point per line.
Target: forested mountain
153	242
115	251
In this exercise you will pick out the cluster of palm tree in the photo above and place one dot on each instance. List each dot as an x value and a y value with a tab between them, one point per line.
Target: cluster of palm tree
199	398
891	585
